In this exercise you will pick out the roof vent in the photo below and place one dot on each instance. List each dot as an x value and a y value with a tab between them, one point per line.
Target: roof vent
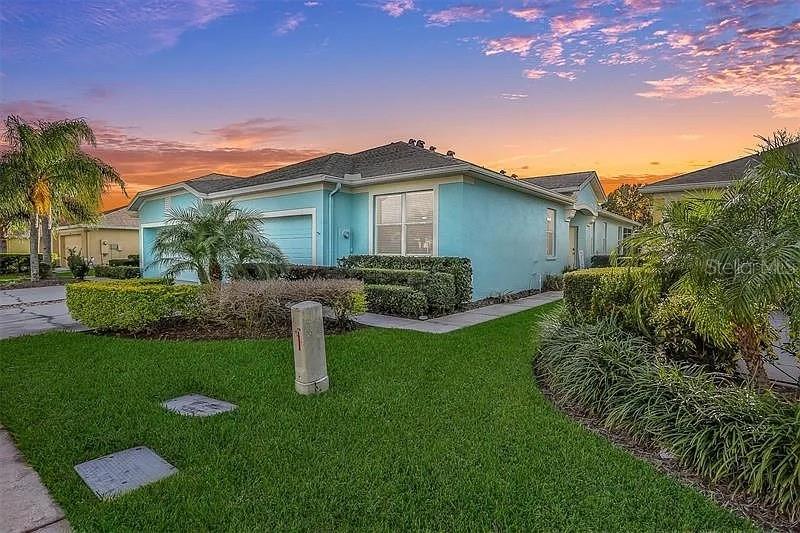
412	142
451	153
432	148
503	172
420	143
514	176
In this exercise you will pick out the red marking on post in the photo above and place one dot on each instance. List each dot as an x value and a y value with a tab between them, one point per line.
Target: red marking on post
299	339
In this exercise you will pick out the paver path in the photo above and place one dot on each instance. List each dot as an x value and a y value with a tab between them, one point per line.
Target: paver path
34	310
25	504
446	324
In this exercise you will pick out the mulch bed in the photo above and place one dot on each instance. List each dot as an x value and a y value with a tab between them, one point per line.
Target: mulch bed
763	515
182	330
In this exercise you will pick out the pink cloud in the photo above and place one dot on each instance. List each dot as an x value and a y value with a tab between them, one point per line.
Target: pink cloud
396	8
528	14
250	133
740	61
534	74
289	23
552	54
567	75
569	24
520	45
451	15
644	6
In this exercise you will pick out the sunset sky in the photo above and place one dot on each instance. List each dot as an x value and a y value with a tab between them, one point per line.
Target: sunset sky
638	90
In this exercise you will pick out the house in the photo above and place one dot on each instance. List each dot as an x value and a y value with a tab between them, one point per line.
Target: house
114	236
401	198
701	181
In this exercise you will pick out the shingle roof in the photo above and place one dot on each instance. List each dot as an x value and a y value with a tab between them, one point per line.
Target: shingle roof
391	158
569	182
721	173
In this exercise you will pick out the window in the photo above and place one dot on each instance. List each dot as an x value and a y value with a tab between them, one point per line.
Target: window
592	241
404	223
550	232
626	232
605	237
619	240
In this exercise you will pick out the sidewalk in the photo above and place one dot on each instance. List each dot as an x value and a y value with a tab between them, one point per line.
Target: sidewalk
25	504
448	323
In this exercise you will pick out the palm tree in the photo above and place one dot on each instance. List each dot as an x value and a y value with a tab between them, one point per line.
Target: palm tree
45	174
214	238
738	253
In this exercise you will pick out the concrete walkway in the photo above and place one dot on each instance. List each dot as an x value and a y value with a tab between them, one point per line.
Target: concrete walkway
446	324
34	310
25	504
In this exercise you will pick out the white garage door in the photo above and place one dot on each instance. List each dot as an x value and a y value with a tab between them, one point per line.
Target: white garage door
293	235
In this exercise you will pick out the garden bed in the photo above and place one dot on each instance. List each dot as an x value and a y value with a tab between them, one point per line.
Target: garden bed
765	516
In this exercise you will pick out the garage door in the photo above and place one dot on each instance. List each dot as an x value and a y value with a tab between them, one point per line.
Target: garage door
71	241
293	235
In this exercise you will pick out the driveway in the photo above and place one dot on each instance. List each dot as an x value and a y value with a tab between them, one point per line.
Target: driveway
28	311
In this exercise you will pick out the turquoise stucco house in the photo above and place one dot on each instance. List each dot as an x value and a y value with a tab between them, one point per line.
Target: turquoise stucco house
402	198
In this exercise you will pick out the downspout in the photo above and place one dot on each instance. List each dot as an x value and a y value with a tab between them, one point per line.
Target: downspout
330	222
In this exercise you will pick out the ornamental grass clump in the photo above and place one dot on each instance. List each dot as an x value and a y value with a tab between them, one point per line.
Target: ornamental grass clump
727	432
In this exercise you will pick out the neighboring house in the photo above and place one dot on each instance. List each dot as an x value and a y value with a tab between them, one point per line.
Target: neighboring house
403	199
114	236
592	230
699	182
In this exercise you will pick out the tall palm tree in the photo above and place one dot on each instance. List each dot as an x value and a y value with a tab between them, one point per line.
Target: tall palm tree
739	253
46	174
211	239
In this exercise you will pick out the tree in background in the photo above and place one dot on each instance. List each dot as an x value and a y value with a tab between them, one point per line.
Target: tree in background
628	201
47	176
212	239
737	255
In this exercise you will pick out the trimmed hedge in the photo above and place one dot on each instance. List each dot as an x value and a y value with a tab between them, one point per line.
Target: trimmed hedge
396	300
438	287
123	262
440	291
117	272
298	272
129	305
385	276
579	285
459	267
15	263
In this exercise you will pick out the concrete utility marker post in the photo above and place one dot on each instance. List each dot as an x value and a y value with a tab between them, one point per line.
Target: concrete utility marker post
310	365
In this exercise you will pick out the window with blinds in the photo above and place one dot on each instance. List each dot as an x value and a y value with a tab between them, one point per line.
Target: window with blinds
404	223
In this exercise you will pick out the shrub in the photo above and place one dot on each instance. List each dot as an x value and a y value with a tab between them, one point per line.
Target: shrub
553	282
440	291
296	272
77	264
579	285
600	261
724	431
459	267
45	269
681	341
386	276
15	263
130	305
124	262
396	300
264	306
117	272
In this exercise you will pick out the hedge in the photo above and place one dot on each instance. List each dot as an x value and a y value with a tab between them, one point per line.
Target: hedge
298	272
386	276
129	305
117	272
579	285
123	262
459	267
15	263
396	300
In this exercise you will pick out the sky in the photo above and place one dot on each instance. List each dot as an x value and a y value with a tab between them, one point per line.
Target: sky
638	90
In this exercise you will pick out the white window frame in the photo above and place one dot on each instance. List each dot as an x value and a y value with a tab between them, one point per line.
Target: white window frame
548	235
605	237
403	224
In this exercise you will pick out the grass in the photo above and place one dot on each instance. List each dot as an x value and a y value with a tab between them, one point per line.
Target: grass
418	431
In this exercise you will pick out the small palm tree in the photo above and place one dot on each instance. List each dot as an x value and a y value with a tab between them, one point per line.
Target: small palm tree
738	252
46	175
212	239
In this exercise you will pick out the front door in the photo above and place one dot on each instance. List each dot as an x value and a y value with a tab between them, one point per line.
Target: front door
573	246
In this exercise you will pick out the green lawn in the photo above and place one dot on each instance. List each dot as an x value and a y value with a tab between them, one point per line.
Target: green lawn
417	431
